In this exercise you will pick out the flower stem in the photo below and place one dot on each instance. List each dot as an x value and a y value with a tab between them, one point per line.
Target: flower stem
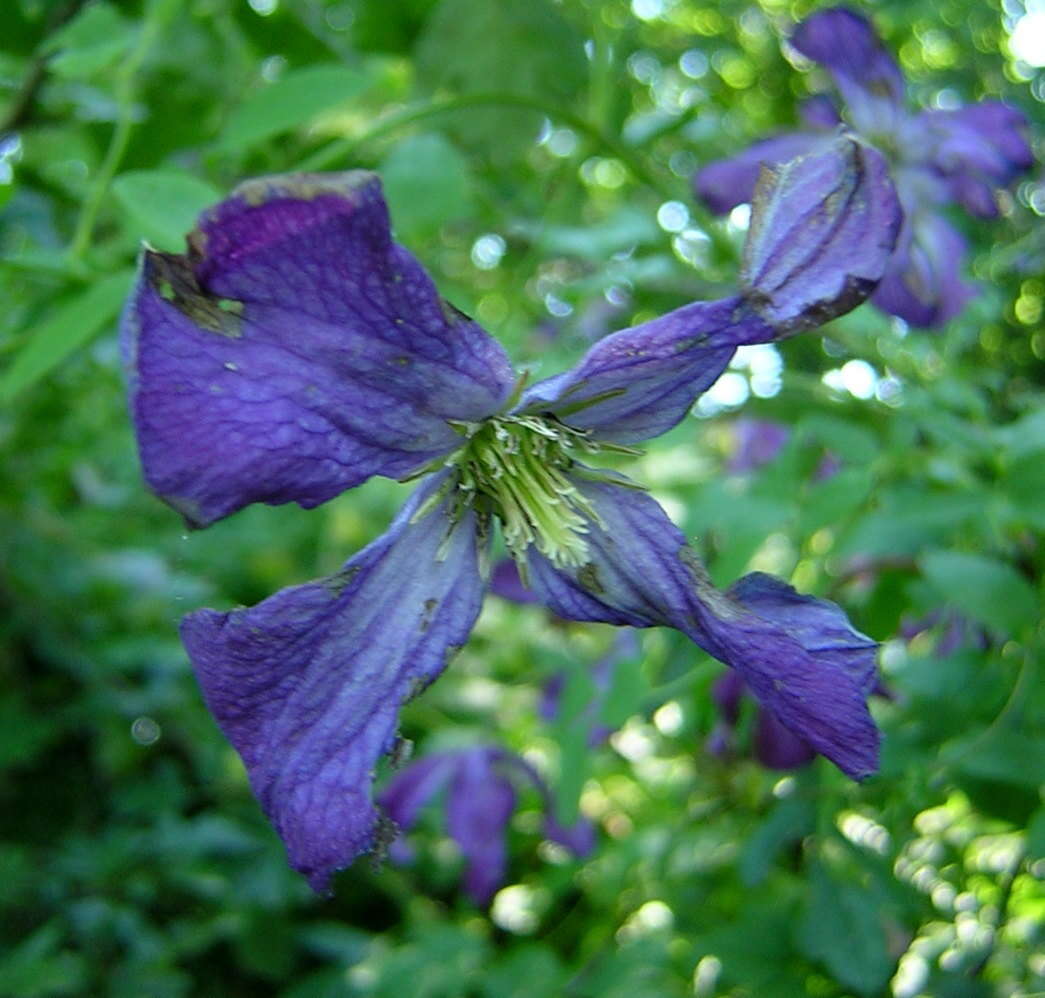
341	148
157	13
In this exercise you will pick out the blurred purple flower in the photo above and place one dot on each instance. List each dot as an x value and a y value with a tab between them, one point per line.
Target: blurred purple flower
506	582
936	157
296	351
625	647
755	443
479	805
953	631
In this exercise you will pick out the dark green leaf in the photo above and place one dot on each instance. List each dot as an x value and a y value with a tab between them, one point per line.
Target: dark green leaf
69	327
989	591
292	101
161	206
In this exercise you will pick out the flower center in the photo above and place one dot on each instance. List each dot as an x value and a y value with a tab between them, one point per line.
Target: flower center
517	466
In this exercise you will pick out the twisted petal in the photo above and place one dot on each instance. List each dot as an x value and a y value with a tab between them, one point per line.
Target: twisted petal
725	183
923	284
823	228
307	685
295	351
977	149
799	655
639	382
774	745
478	810
847	46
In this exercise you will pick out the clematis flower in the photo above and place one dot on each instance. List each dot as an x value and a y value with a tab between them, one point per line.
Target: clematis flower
479	804
295	350
936	157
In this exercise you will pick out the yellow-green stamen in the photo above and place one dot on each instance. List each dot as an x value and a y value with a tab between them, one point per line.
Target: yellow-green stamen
517	467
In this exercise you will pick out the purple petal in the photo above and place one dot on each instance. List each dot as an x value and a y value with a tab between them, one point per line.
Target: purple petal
727	692
798	654
923	284
978	148
296	351
506	582
409	790
822	232
639	382
819	111
478	810
847	46
307	685
777	748
579	837
725	183
756	442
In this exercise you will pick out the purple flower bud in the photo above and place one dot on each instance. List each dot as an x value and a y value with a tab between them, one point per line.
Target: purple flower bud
822	232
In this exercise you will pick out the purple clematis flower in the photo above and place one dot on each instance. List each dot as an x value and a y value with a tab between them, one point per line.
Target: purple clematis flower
479	805
295	350
936	156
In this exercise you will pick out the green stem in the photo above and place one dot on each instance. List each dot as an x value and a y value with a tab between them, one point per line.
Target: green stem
156	16
678	686
341	148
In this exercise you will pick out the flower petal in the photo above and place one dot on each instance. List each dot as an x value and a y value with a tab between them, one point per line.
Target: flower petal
725	183
295	351
923	284
847	46
978	148
776	747
410	789
478	810
307	685
799	655
639	382
822	232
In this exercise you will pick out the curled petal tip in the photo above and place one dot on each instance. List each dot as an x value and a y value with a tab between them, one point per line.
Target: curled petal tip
822	231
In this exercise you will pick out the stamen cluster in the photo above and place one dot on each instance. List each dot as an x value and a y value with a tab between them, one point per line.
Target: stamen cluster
515	467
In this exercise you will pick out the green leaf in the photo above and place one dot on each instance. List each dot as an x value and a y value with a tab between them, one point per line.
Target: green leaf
292	101
532	971
38	968
162	205
1036	834
1025	435
842	929
93	40
572	728
790	820
1024	485
68	328
522	47
626	692
986	589
427	184
1004	756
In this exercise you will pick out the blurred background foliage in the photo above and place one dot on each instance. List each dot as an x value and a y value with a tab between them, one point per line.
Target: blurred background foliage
537	156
